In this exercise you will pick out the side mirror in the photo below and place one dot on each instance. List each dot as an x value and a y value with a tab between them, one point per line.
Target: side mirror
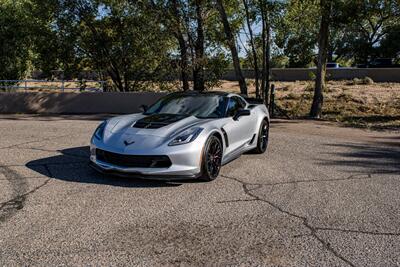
144	108
240	113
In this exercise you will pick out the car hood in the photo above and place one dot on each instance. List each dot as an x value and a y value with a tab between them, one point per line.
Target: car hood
154	129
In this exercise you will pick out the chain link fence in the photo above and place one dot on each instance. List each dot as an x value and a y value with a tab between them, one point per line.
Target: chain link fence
51	86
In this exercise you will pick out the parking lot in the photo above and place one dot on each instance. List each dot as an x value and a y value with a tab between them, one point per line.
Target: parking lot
322	195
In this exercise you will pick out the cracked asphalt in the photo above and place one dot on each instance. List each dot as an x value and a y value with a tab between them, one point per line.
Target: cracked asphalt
322	195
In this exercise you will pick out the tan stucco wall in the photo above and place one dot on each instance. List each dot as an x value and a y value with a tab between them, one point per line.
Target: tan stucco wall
75	103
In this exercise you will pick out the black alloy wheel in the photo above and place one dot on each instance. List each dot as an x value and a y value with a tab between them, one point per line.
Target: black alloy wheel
263	136
212	159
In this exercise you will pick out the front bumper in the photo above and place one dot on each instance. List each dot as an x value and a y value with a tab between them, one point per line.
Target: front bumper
185	159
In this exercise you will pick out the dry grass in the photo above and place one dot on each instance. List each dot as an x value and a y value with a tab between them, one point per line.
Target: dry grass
56	86
356	103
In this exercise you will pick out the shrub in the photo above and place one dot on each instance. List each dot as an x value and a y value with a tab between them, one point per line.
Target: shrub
368	81
291	96
289	87
357	81
312	75
309	88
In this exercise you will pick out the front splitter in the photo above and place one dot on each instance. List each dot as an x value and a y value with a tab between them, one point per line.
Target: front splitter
163	177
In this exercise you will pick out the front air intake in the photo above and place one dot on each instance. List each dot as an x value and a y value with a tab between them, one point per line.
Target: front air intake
133	161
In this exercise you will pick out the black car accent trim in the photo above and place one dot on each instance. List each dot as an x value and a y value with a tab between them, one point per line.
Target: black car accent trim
156	121
252	139
225	137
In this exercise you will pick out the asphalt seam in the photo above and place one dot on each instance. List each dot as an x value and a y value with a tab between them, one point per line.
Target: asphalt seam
25	177
42	164
34	141
55	151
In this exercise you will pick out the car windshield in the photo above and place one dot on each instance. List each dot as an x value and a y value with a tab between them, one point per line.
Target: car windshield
201	106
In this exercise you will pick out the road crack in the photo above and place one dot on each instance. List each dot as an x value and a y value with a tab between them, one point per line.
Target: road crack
351	177
313	230
19	189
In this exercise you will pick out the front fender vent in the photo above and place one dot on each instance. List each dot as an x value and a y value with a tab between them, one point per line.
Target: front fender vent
225	137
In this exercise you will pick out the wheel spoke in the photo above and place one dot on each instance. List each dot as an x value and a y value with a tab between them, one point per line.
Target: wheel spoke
264	136
214	157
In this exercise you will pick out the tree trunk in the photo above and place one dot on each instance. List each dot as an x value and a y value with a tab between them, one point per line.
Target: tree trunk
184	62
323	43
253	49
198	71
232	46
182	46
264	50
116	78
266	46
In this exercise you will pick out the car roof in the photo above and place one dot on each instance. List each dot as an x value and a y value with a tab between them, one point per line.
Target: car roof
197	93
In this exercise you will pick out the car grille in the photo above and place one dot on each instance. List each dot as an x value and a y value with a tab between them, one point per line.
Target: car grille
134	161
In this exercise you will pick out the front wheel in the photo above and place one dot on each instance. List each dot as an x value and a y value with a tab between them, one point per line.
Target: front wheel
212	158
263	135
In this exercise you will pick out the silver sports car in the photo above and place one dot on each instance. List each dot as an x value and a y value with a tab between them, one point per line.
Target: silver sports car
183	135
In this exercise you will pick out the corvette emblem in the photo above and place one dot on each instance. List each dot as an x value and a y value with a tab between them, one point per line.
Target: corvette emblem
127	143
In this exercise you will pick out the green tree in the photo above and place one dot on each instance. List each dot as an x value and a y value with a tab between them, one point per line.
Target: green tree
297	33
389	46
15	39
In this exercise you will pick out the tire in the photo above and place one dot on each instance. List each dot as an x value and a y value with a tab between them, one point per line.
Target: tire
211	159
262	139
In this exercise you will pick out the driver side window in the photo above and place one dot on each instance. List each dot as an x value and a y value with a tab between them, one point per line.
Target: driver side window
233	106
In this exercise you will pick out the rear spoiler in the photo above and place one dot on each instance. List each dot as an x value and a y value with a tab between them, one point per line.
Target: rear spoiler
254	101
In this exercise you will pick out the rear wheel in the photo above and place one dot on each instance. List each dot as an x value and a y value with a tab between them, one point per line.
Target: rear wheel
212	158
263	136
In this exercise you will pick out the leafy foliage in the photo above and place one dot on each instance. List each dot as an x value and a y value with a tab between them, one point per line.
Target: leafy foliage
132	43
15	39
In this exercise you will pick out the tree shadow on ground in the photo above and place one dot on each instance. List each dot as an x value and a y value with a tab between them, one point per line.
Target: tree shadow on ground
373	122
379	157
72	165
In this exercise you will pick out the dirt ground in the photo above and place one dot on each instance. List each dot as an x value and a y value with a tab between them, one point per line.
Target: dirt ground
361	103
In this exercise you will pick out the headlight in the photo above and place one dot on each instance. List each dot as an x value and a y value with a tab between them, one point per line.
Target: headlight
186	136
99	133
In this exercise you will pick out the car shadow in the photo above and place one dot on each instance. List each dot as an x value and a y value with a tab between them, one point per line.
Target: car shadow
72	165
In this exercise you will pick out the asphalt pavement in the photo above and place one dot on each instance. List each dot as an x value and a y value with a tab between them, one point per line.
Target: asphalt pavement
322	195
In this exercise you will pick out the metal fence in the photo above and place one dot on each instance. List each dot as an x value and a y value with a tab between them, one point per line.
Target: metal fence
304	74
61	85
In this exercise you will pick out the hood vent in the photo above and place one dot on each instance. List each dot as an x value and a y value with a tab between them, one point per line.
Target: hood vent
156	121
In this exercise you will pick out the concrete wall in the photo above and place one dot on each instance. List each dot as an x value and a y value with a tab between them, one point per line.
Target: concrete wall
75	103
301	74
